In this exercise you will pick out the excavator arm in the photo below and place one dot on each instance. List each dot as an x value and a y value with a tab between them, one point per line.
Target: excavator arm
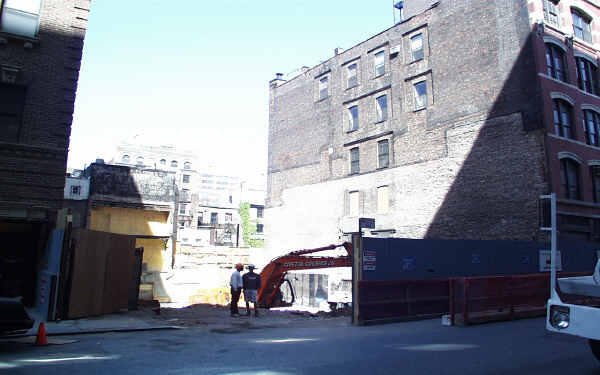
273	274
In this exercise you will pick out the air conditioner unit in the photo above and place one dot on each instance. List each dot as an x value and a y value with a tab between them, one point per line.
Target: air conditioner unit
395	50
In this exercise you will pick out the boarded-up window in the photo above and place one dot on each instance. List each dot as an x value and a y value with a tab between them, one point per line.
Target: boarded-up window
383	200
354	198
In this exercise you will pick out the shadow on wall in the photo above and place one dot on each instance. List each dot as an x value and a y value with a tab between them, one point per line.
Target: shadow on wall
495	192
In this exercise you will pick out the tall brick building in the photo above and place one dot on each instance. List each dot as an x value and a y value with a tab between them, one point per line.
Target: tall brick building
448	125
41	44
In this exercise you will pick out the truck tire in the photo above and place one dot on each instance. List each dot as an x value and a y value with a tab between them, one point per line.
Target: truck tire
595	347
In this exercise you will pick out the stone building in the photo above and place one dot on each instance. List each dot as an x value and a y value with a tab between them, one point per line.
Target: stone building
41	46
449	125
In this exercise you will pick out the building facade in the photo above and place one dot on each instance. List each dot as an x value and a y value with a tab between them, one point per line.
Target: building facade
442	127
41	45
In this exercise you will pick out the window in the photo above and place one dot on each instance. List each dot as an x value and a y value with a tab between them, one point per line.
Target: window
353	198
186	178
187	165
260	212
323	88
12	102
353	118
587	76
200	218
213	218
379	63
420	95
555	62
569	171
354	160
591	127
183	209
75	190
228	218
185	195
383	148
381	104
163	162
125	159
581	26
595	173
416	47
227	235
383	203
563	119
551	12
352	75
139	160
259	228
20	17
174	163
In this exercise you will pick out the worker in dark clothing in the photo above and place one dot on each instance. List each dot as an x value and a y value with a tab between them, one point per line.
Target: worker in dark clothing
251	283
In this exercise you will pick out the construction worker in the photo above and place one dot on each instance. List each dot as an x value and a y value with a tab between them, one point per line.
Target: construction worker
236	288
251	287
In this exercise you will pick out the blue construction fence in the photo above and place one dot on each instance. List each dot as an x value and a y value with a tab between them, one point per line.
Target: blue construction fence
405	259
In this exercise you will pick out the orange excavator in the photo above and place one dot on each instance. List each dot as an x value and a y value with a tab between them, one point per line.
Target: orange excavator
273	275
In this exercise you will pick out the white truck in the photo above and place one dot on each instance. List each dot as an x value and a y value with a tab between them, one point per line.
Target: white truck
572	319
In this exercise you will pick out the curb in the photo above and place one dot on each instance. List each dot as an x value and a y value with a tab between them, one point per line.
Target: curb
115	329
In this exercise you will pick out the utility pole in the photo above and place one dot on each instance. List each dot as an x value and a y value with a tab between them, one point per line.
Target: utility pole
175	214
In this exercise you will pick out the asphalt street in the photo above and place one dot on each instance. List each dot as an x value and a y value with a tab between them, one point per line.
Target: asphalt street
325	347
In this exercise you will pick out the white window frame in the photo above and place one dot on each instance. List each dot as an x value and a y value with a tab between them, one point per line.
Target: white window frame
323	88
417	51
21	17
352	74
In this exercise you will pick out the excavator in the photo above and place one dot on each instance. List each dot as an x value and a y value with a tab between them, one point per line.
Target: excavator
273	274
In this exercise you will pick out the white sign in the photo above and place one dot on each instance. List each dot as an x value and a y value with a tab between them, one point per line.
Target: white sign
545	261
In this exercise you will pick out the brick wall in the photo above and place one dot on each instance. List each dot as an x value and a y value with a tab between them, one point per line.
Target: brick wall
470	165
33	152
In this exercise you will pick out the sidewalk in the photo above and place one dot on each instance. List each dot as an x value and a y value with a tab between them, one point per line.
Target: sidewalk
120	322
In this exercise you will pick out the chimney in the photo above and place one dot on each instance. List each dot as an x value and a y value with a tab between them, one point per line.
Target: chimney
304	69
338	50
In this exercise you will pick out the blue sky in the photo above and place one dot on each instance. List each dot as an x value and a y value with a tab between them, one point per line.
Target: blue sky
196	75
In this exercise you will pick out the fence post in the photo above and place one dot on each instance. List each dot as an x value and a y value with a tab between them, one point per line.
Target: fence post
466	298
451	300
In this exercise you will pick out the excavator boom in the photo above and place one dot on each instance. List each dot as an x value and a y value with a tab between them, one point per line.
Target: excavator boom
273	274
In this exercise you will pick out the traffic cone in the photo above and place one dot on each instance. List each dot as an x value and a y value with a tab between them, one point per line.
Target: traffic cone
41	335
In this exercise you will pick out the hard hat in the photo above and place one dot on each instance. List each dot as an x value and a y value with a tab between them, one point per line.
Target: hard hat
239	266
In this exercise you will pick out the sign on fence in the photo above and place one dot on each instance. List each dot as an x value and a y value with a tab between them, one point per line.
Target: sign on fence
369	260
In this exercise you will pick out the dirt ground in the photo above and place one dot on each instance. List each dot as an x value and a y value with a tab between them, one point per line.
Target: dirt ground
217	318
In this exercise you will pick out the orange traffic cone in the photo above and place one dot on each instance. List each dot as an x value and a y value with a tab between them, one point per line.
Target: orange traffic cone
41	335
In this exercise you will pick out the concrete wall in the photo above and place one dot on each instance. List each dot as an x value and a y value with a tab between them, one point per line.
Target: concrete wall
457	168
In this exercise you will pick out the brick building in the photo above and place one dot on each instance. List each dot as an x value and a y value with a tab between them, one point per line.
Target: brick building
41	46
448	125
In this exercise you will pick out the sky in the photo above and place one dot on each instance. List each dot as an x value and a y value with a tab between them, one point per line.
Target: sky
195	73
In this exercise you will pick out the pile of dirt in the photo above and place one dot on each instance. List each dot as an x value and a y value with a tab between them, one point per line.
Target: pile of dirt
215	315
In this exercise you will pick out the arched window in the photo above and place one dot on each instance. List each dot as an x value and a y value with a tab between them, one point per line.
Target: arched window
555	62
581	25
125	159
563	119
139	160
187	165
591	127
587	75
173	163
569	174
163	162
